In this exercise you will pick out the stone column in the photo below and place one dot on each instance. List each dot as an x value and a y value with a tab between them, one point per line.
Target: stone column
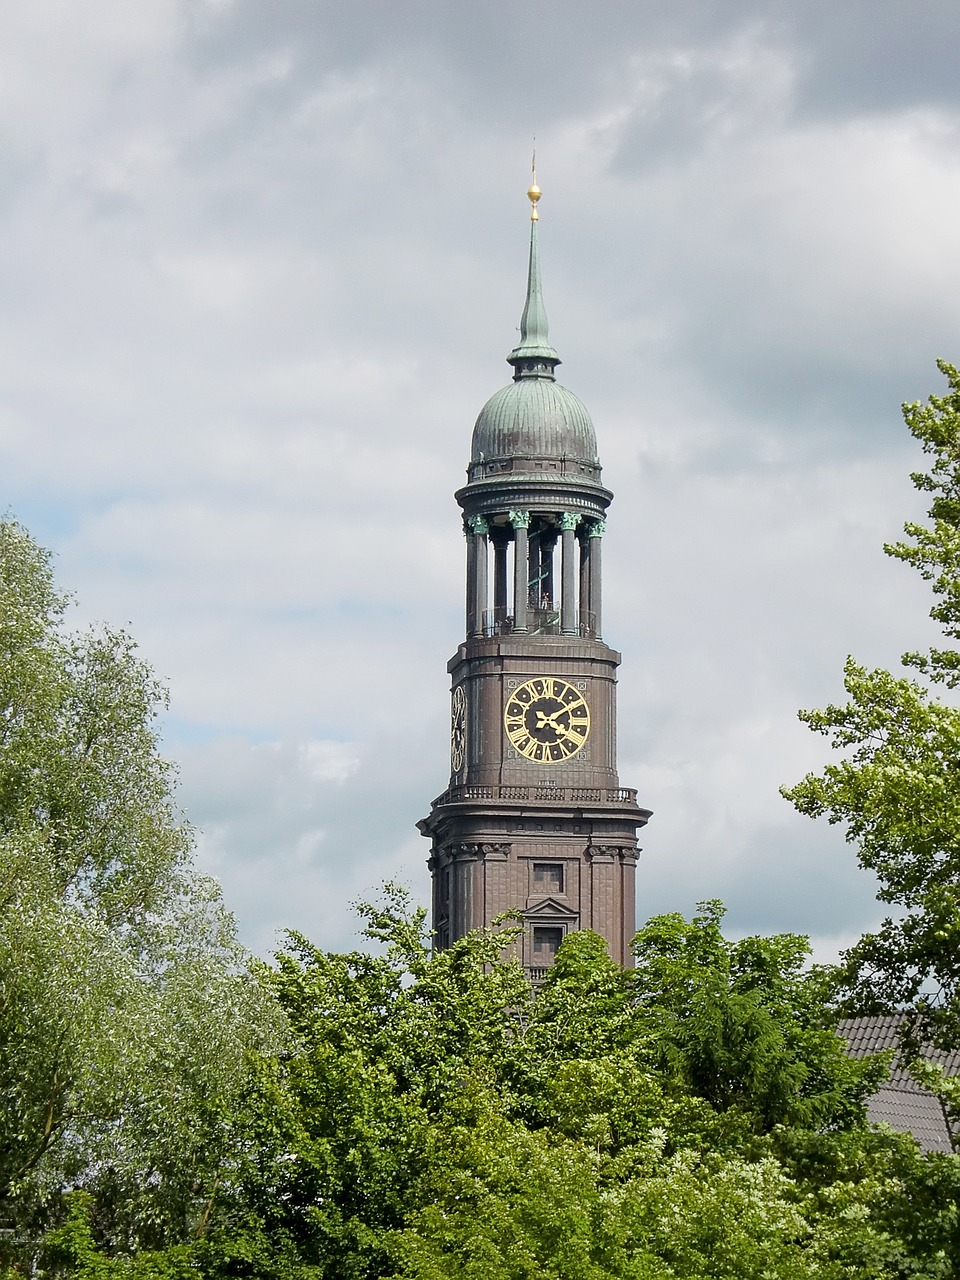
586	622
500	577
568	600
471	580
478	528
548	543
521	583
629	873
596	533
533	569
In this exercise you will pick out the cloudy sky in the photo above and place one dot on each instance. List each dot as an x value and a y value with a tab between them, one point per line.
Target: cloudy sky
260	264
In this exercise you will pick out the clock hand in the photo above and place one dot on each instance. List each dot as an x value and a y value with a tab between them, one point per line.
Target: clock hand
551	720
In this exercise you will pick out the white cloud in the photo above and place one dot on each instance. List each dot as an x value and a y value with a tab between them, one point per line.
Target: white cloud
329	761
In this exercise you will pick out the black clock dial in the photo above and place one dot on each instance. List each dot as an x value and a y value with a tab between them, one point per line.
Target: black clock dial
547	720
458	728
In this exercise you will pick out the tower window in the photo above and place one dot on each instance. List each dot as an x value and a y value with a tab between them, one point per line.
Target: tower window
548	877
546	944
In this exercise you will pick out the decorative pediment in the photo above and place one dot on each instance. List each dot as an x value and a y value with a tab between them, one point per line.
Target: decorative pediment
550	908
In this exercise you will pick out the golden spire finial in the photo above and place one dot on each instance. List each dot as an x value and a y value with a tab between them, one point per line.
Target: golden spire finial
534	193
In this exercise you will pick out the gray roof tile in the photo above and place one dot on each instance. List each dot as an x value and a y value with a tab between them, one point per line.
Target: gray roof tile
900	1102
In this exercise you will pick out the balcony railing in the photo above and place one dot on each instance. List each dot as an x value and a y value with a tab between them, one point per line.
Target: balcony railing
541	621
540	795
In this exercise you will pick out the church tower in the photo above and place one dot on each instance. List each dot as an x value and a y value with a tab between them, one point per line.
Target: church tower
534	818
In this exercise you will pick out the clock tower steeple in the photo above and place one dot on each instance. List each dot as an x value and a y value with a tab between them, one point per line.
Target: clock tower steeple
534	818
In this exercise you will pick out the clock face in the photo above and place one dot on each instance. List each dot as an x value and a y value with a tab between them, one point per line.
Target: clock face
458	728
547	719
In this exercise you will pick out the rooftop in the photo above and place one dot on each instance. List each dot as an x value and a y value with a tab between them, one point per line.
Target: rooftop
900	1102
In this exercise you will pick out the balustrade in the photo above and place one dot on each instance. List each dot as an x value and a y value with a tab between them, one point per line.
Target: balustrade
542	794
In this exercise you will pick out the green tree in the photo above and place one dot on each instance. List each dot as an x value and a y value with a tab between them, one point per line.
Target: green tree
696	1117
431	1116
747	1025
897	788
126	1006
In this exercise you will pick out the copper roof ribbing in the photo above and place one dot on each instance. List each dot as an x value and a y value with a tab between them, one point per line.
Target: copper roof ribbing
534	418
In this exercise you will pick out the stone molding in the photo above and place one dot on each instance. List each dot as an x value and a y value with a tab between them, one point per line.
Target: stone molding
467	851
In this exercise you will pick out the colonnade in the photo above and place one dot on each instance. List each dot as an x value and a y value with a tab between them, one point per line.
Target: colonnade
529	595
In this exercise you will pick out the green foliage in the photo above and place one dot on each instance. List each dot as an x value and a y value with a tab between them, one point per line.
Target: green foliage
745	1024
897	788
695	1117
424	1114
125	1007
431	1116
71	1249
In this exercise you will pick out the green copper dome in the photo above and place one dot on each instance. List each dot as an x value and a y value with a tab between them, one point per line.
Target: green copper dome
534	419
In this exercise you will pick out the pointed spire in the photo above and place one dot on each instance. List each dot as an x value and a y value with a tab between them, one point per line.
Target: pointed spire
534	357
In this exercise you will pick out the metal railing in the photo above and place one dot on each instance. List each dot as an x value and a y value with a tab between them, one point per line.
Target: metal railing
541	620
540	794
497	622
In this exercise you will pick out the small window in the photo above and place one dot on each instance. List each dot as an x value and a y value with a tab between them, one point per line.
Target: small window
546	944
548	877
